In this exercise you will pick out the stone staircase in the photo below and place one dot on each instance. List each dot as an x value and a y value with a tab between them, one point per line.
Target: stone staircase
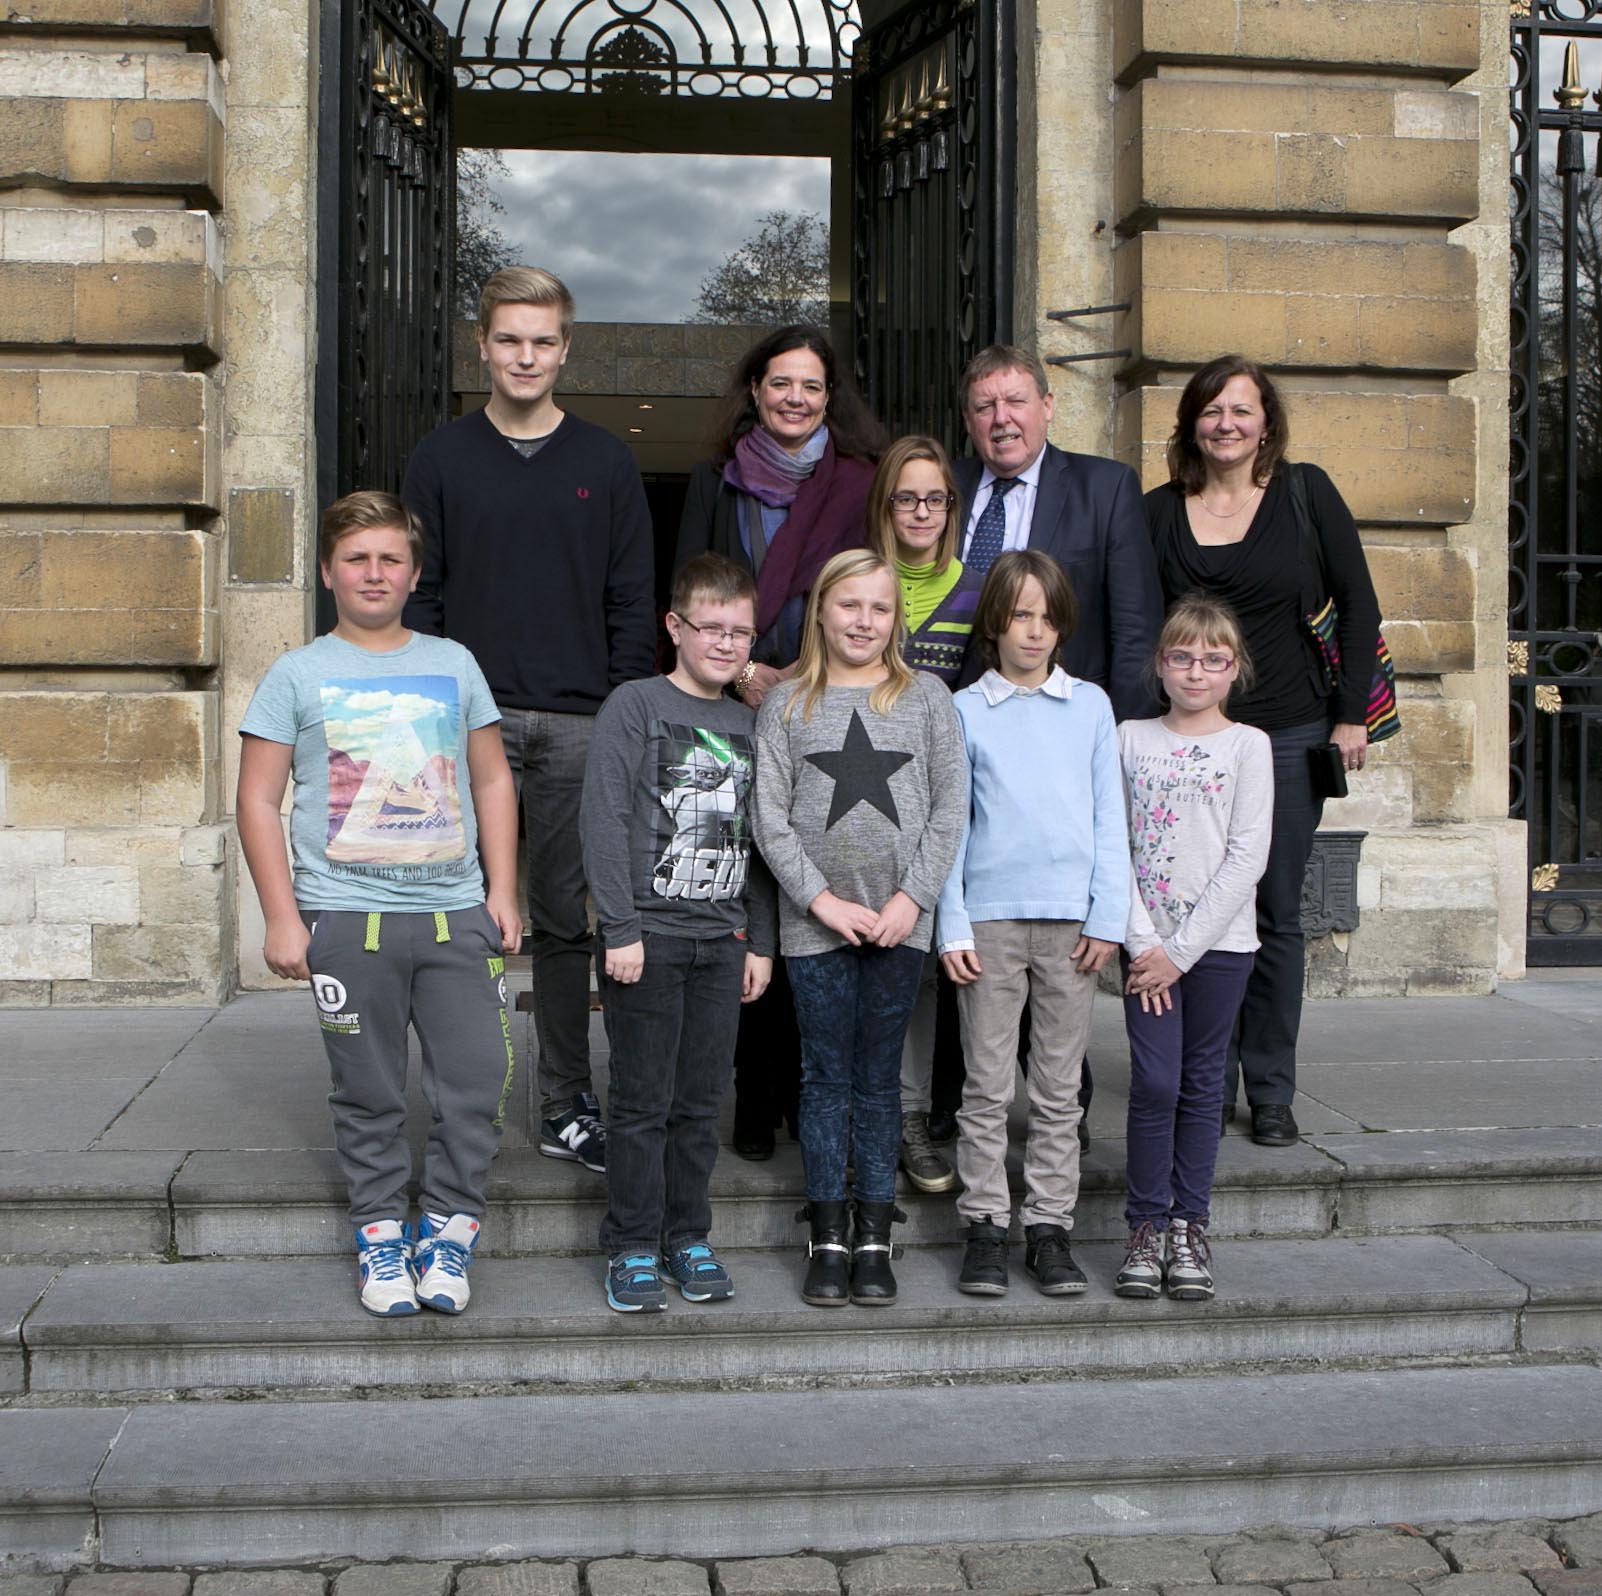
1409	1326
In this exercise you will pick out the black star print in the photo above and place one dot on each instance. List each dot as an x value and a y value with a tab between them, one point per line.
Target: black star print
861	774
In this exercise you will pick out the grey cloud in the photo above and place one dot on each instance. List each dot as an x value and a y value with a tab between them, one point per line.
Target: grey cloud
633	235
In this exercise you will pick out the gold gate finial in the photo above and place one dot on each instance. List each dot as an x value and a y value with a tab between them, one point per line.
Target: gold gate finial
1570	93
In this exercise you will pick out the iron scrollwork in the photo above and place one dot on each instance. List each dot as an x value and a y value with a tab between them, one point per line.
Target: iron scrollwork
750	49
932	122
396	201
1555	480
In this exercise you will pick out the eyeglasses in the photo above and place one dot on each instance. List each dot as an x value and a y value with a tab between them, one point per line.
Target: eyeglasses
740	636
906	503
1176	659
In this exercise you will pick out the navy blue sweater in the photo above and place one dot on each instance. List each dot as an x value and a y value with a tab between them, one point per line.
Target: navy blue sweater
542	567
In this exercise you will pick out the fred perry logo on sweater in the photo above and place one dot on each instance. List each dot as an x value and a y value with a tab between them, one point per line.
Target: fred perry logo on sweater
583	493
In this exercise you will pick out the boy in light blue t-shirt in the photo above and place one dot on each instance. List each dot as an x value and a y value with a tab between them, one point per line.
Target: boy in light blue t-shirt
401	787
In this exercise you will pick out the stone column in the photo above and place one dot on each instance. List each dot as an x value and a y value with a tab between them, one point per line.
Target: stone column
1322	188
154	471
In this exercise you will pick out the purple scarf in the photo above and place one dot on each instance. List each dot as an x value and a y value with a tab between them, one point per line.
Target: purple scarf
828	513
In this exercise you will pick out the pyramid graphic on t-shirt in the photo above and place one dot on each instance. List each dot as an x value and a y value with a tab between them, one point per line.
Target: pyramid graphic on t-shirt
405	808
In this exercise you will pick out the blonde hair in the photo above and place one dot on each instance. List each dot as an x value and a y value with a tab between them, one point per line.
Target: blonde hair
524	285
812	668
1201	618
881	518
366	510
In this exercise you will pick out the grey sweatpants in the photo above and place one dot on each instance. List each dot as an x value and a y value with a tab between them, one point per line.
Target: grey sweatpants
444	974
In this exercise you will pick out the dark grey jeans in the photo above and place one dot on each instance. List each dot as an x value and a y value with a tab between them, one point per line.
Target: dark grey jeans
547	752
371	976
672	1038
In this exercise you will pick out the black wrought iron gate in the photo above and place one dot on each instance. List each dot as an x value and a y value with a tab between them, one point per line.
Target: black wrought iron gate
1555	492
933	116
396	205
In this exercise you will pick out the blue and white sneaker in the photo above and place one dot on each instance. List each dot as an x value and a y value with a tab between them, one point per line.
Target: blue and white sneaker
699	1273
383	1261
439	1260
634	1283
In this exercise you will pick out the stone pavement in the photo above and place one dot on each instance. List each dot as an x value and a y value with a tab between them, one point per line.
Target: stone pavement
1526	1557
253	1075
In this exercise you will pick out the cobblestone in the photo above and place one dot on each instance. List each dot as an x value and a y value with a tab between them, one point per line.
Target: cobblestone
1580	1540
902	1573
261	1582
777	1576
31	1584
643	1576
1161	1560
395	1579
1496	1551
1568	1581
1503	1584
1270	1562
1355	1587
1044	1568
1383	1554
519	1579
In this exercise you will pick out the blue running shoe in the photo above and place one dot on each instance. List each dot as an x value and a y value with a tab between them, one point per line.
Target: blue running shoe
634	1283
444	1250
699	1273
383	1260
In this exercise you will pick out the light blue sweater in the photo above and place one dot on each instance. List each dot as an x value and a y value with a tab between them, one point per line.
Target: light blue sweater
1046	837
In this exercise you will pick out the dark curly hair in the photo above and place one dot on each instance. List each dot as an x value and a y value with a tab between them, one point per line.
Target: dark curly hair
851	424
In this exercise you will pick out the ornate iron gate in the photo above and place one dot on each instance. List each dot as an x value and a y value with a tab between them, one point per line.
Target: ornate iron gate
933	113
396	202
1555	493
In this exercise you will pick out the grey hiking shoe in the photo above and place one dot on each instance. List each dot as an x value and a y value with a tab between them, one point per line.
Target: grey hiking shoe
925	1168
1190	1274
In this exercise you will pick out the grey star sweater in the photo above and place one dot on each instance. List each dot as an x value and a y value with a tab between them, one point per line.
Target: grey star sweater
860	803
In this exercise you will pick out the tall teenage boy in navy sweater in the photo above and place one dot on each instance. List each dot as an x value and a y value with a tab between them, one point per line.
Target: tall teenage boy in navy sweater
1035	905
538	558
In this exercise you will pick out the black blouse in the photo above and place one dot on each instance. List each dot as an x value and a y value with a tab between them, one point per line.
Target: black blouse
1265	580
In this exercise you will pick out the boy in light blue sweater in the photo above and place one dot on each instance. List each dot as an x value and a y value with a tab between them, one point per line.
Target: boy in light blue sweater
1037	903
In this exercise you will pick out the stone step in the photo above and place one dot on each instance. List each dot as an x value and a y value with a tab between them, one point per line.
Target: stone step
711	1474
277	1326
112	1204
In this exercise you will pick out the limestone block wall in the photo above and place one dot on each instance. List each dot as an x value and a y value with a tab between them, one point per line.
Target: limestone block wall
1322	188
135	363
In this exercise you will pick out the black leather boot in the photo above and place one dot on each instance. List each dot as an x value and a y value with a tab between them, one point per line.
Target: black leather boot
828	1282
873	1283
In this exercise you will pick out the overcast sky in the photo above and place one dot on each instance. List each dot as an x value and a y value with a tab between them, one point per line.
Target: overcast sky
633	235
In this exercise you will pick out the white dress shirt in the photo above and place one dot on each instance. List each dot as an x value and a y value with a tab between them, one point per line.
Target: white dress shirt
1019	505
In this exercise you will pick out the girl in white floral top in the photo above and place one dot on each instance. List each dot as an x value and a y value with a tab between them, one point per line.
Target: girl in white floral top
1201	799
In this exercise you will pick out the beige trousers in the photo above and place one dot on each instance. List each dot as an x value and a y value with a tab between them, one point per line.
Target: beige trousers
1024	961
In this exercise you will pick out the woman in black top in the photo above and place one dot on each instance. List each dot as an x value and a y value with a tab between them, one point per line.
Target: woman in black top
1226	524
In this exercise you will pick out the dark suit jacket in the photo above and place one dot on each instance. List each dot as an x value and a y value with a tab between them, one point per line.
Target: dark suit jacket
1089	516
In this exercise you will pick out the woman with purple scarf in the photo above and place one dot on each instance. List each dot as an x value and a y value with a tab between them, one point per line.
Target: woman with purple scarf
786	491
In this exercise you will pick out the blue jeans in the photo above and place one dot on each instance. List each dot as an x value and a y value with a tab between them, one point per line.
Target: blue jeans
852	1006
1176	1088
672	1038
547	752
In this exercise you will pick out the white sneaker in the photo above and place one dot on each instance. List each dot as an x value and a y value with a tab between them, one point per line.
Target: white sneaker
383	1261
1142	1273
1190	1276
444	1250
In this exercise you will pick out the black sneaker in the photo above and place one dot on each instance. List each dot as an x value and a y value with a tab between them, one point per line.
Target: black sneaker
577	1134
942	1126
984	1264
1049	1258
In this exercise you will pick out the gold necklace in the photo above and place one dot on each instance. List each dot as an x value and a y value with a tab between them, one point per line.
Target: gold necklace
1227	515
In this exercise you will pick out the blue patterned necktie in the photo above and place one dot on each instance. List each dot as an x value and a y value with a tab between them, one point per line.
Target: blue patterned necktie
990	533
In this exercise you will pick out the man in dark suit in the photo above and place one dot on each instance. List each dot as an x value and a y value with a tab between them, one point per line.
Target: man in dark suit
1086	512
1083	510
